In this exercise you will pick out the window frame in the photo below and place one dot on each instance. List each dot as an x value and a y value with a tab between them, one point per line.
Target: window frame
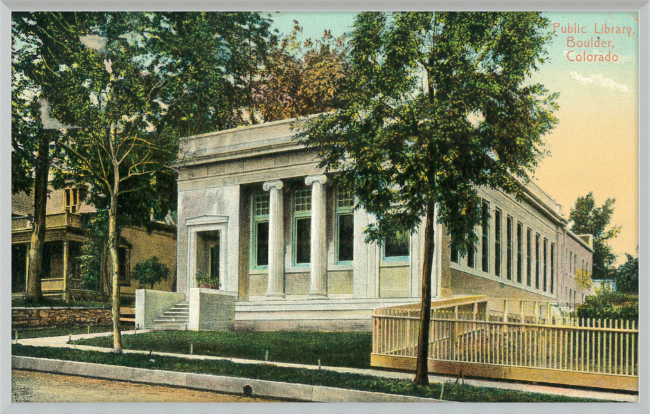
485	236
71	200
545	267
537	273
127	266
340	211
497	242
509	222
255	220
552	281
396	258
529	257
295	216
520	255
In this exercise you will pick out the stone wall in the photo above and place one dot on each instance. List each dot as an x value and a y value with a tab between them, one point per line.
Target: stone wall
42	317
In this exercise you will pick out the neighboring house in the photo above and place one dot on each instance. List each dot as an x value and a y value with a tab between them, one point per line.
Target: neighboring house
601	285
64	235
255	209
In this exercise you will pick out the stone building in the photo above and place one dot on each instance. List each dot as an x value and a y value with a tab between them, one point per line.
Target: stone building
255	210
64	234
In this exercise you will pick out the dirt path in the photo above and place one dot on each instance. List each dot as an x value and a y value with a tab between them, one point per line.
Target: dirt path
28	386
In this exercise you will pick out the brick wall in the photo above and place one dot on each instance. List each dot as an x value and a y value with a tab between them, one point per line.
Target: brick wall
41	317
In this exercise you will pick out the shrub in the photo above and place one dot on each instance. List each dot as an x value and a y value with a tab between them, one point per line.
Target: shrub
610	305
150	272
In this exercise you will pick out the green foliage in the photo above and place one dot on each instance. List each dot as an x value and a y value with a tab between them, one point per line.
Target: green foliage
627	275
610	305
150	272
453	392
202	278
436	105
301	78
345	349
93	249
583	279
589	219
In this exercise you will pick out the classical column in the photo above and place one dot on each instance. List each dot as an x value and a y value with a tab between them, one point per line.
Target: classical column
318	252
65	269
275	277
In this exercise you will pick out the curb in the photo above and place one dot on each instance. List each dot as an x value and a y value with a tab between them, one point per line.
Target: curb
230	385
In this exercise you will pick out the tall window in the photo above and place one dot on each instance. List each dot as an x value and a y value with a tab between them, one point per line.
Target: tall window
344	226
529	256
302	227
454	253
537	261
485	239
519	250
509	248
575	263
583	266
497	242
123	265
544	280
71	200
397	247
471	256
553	267
570	263
260	231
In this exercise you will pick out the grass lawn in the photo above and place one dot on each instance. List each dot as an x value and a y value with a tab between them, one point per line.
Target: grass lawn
25	333
338	349
453	392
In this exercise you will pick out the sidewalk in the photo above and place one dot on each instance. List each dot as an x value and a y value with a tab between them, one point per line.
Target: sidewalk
61	342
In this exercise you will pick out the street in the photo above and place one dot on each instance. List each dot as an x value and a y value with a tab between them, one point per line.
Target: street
28	386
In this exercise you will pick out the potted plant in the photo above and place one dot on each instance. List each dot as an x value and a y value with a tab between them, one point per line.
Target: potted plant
204	280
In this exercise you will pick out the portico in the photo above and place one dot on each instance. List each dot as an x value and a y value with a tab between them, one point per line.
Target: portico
285	238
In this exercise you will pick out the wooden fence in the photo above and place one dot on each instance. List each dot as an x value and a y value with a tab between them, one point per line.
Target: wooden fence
585	352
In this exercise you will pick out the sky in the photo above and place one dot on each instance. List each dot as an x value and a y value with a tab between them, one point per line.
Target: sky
594	147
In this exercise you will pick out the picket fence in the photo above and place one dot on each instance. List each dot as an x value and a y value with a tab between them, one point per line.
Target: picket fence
535	347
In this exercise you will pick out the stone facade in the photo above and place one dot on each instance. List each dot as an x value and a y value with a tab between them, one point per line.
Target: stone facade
293	249
43	317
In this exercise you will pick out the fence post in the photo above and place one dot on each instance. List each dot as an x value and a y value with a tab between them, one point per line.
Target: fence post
536	312
505	310
548	311
455	333
521	310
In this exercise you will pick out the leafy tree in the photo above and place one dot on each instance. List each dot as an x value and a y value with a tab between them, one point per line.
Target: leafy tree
301	78
437	105
583	279
30	152
94	249
610	305
128	84
627	275
589	219
150	272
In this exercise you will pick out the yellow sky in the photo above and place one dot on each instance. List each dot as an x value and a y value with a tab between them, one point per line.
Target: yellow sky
594	147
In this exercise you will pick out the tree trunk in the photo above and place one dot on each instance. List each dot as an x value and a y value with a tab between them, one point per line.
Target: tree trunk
422	371
40	203
115	271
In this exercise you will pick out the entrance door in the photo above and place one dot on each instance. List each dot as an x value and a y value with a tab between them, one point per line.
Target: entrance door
215	255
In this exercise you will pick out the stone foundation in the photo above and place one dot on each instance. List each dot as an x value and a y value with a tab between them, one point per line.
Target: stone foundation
43	317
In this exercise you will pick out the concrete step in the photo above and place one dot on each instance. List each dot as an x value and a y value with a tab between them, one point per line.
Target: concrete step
176	312
169	327
172	320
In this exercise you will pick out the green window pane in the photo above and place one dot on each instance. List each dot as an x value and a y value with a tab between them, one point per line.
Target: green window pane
346	237
397	246
262	243
303	240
